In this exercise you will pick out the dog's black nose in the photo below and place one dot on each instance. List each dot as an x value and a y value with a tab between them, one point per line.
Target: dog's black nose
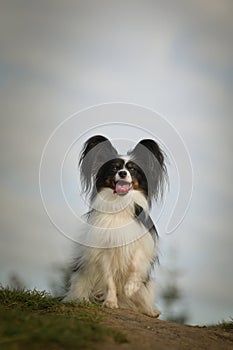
122	173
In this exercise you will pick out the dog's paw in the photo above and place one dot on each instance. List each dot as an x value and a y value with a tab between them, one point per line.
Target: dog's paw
131	288
154	313
111	304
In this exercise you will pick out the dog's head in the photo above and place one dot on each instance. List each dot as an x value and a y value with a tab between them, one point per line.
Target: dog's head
142	169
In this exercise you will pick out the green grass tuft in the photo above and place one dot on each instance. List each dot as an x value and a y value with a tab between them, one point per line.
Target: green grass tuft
34	320
119	337
225	325
30	299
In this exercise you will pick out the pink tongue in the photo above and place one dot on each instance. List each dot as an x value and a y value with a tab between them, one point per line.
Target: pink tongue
122	187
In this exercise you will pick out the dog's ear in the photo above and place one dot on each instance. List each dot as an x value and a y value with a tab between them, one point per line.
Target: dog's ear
96	151
151	159
154	148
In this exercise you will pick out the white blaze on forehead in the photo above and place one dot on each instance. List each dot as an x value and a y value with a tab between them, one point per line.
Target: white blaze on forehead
123	185
126	159
128	177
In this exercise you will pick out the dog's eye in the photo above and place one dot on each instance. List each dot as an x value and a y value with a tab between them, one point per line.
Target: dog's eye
132	169
115	168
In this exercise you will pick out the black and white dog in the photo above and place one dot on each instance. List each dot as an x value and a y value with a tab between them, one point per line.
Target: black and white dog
118	243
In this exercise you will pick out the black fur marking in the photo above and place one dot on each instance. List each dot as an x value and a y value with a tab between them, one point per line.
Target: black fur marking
150	159
146	221
78	264
137	174
147	279
106	174
155	149
96	151
91	143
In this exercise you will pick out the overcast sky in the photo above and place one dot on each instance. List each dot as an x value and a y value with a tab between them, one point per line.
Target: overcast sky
174	57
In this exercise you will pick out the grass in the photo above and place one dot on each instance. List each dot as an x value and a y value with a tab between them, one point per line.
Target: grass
225	325
34	320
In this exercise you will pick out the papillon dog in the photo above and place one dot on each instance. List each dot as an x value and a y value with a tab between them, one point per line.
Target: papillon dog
117	245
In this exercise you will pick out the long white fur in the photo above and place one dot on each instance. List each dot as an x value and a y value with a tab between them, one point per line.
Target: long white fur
117	253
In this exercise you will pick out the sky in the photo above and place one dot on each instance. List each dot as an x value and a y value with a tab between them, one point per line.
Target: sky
173	57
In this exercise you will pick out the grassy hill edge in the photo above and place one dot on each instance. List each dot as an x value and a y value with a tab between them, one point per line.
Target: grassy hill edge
32	319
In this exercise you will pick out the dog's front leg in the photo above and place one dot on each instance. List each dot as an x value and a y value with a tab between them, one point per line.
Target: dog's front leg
137	271
111	297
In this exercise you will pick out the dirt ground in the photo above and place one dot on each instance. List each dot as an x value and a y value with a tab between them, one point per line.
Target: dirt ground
144	332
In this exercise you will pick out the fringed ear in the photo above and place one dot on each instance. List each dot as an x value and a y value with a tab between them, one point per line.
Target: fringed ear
150	158
96	151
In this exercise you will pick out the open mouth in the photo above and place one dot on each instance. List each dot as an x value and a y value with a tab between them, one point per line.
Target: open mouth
122	187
